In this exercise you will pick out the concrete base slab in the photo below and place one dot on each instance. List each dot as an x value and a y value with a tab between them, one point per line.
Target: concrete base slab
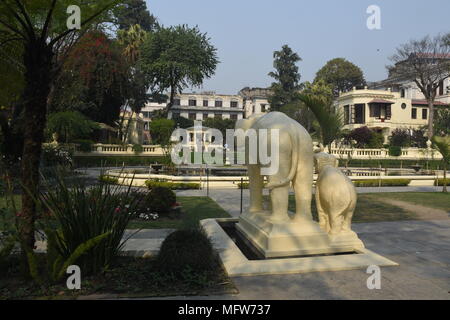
236	264
293	237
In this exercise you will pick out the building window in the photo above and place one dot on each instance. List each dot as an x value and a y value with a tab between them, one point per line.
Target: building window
233	104
263	108
375	110
253	109
402	93
218	103
234	117
192	102
218	116
346	114
176	102
441	88
205	103
205	116
424	114
414	113
359	112
175	115
192	116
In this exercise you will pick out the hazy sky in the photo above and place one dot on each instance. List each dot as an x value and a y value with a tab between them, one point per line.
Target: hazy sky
246	32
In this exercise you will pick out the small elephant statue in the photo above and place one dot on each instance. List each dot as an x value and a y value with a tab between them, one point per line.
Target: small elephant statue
335	196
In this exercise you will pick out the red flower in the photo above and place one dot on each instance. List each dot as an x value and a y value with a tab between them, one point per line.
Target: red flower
117	210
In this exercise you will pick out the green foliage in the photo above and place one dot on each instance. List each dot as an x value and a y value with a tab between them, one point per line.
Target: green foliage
160	199
96	74
187	250
177	57
220	124
115	161
441	182
53	156
442	121
134	12
84	145
83	216
108	180
138	149
183	122
161	130
172	185
341	74
400	137
442	144
287	78
330	122
376	140
70	125
384	183
395	151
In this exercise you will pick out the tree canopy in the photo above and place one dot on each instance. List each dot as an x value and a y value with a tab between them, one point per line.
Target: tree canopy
341	74
133	12
426	62
178	57
287	78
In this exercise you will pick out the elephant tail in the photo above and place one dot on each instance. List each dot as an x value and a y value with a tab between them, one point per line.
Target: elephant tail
295	154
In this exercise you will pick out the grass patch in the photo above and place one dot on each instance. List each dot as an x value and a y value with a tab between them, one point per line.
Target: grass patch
368	209
194	210
436	200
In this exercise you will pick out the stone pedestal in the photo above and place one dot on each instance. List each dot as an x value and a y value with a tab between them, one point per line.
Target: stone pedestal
293	237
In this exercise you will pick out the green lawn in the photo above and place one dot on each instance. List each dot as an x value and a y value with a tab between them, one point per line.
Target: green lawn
370	209
194	210
437	200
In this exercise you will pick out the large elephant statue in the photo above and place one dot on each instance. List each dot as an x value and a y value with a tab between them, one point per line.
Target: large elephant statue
295	165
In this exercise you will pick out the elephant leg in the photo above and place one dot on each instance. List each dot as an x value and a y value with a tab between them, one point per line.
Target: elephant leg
348	215
323	217
303	186
336	221
279	196
256	188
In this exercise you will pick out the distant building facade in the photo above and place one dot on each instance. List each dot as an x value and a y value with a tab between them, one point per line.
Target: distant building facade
383	110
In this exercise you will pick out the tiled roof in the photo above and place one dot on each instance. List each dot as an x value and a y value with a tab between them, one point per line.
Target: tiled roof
425	103
381	101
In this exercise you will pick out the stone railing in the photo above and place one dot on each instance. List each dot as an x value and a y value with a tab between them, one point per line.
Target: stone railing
115	149
406	154
343	153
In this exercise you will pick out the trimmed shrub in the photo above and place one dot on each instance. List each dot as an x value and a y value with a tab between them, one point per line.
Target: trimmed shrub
395	151
384	183
160	199
187	250
116	161
85	145
138	149
108	179
172	185
440	182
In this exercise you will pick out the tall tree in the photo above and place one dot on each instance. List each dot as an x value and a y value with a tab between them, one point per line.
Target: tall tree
94	79
341	74
442	144
132	12
178	57
40	28
287	78
426	62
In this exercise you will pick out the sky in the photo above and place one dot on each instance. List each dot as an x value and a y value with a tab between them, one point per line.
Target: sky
247	32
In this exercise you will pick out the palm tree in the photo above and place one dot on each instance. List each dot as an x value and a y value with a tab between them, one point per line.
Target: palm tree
442	144
330	122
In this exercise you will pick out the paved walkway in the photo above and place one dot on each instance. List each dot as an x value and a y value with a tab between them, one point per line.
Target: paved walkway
422	248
